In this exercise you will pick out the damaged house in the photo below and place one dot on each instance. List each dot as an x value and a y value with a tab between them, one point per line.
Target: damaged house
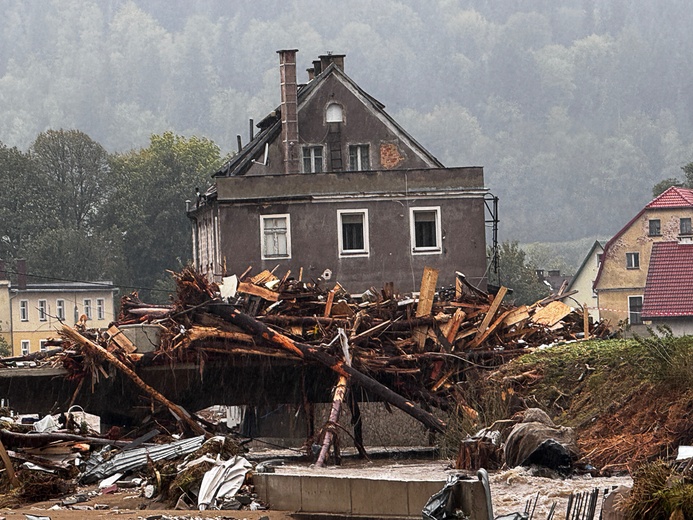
332	188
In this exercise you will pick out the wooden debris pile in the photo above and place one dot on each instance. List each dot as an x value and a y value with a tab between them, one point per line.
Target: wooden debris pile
411	352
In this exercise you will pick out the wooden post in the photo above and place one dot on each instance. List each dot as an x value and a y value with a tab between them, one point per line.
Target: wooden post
427	292
14	481
586	320
328	305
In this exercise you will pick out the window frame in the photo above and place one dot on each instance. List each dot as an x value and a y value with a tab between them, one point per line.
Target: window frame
359	148
633	260
426	250
351	253
263	254
329	119
657	223
23	310
87	308
42	345
631	312
312	148
688	231
100	309
25	346
43	310
60	309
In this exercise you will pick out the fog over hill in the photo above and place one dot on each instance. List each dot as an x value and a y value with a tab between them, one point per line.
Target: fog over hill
574	108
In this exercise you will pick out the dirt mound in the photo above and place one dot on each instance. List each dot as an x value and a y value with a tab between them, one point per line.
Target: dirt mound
629	401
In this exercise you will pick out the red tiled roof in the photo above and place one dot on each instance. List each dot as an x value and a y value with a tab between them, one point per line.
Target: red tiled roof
669	286
673	197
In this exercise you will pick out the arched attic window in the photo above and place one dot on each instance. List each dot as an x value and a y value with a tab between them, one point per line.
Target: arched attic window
334	113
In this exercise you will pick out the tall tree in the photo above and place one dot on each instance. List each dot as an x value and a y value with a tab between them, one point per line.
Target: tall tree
74	168
148	204
516	273
22	200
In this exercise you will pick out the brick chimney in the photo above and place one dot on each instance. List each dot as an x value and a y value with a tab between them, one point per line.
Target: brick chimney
289	110
337	59
21	274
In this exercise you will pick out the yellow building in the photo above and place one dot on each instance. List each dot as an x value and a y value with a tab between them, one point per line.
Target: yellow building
30	313
621	280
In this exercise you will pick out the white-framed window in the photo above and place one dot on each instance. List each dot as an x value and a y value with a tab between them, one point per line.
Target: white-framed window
42	345
312	159
43	310
275	236
60	309
359	157
24	310
632	260
334	113
426	234
635	310
100	311
87	308
685	226
25	345
353	232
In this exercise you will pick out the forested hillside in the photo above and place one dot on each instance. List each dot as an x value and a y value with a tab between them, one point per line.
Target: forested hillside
574	108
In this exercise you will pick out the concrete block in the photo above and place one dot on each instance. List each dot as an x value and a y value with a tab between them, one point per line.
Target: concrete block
281	492
325	494
418	493
378	498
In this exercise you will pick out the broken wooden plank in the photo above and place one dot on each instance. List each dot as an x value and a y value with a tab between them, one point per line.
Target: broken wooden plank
119	338
551	314
14	481
255	290
492	310
450	328
328	305
427	292
517	315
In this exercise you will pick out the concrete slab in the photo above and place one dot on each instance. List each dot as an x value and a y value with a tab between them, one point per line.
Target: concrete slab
282	492
379	498
325	494
418	493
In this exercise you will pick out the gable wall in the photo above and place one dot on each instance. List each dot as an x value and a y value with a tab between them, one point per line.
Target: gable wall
360	126
617	282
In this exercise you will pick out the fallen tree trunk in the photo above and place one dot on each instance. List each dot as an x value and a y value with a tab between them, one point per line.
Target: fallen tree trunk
104	355
37	440
303	351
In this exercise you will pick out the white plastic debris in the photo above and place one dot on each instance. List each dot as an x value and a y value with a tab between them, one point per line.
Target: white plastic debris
222	481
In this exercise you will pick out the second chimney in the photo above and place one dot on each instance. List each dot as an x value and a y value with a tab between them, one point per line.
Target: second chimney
289	110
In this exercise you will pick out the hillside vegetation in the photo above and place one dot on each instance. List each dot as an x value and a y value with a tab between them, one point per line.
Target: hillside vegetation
630	401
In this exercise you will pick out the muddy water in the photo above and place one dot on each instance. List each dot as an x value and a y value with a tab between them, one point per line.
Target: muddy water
510	490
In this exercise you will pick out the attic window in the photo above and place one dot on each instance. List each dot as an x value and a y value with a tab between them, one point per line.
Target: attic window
334	113
685	227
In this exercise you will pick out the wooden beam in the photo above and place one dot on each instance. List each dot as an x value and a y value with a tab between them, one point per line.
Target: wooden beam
492	310
427	291
103	355
255	290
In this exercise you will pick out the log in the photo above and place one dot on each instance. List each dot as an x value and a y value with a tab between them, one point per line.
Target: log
38	440
339	393
104	355
310	352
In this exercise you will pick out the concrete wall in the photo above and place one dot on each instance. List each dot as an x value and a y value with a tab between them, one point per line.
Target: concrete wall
362	497
313	203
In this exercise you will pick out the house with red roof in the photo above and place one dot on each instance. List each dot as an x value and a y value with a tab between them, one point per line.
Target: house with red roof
668	298
645	260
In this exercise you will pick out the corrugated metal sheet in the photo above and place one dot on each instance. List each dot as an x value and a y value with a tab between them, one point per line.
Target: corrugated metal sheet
98	468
